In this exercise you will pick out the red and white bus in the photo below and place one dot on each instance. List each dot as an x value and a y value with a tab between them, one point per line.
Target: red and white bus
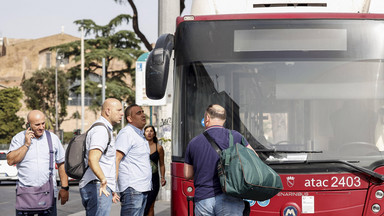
305	89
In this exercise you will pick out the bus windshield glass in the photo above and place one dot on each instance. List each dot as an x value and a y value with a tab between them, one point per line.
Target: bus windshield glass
318	94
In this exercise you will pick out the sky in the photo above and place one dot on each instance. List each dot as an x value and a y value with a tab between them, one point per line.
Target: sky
32	19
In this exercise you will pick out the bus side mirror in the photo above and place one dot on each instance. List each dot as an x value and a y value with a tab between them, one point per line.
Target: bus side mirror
157	68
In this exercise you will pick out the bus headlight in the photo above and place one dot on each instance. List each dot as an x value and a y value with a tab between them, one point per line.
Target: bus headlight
379	194
376	208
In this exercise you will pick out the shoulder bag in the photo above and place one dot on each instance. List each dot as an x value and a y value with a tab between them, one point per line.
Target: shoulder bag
243	174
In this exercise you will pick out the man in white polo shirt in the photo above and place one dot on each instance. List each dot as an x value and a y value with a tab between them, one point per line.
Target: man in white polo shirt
133	164
99	181
29	151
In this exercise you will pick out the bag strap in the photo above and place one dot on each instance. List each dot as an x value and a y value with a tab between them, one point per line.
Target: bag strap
213	142
109	139
49	138
109	134
231	139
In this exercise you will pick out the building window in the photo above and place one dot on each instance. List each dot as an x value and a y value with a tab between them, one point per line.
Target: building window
48	59
75	100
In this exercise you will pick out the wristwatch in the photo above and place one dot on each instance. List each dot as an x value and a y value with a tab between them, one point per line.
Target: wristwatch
65	188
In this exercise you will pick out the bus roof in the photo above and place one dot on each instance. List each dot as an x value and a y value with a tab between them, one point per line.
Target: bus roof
268	16
210	7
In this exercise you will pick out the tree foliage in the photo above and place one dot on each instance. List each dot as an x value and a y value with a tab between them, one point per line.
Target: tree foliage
110	44
9	105
135	21
40	94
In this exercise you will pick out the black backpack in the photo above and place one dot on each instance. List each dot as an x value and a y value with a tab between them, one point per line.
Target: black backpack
75	165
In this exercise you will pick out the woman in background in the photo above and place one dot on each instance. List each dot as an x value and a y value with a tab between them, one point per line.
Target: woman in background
157	158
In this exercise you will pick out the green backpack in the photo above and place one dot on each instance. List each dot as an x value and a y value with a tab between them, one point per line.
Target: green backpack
243	174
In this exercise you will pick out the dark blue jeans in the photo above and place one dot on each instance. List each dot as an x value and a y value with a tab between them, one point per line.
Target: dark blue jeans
94	204
49	212
132	202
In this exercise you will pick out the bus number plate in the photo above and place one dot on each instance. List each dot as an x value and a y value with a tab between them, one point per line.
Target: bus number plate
334	182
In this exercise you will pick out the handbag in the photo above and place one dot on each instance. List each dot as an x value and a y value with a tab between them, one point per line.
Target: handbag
243	174
41	197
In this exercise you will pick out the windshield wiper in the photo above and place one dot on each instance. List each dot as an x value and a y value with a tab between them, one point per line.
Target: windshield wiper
285	151
348	163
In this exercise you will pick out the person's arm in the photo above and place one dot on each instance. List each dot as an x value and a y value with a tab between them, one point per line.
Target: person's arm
93	162
14	157
188	171
63	194
162	166
250	147
119	157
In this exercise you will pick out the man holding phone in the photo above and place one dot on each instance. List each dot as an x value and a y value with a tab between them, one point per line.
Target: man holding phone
29	151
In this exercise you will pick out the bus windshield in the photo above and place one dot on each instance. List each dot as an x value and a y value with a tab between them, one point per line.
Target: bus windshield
284	90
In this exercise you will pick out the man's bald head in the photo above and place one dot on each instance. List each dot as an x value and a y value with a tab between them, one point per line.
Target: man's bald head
216	111
36	119
108	103
214	115
112	110
35	114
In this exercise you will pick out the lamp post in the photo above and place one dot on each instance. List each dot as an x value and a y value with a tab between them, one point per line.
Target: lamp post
102	85
59	62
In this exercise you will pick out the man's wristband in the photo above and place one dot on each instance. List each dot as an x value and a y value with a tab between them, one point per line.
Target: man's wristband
65	188
26	146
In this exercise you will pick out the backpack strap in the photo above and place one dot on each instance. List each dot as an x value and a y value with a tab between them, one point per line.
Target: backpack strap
49	138
109	134
213	142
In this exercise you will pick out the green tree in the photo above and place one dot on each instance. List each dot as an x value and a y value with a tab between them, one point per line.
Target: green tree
111	45
40	94
9	105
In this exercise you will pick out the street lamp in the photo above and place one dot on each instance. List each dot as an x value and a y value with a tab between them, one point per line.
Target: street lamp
59	63
102	91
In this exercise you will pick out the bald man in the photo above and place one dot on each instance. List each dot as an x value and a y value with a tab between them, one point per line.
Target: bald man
98	185
200	165
29	151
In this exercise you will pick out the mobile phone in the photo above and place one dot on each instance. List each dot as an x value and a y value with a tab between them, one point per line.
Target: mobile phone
28	125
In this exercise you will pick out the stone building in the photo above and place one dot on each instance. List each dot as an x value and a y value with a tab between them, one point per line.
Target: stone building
19	58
